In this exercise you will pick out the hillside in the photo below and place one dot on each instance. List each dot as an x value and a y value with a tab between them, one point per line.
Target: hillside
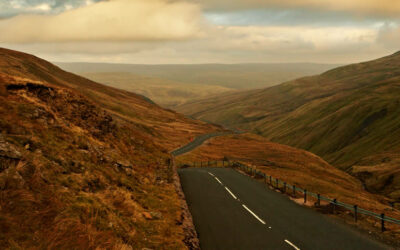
166	127
85	166
291	165
349	116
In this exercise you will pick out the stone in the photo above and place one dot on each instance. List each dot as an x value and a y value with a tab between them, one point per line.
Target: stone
8	151
147	216
156	215
124	164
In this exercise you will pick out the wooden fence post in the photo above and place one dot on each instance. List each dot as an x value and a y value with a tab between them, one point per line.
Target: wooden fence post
319	200
383	223
355	213
305	196
334	205
294	191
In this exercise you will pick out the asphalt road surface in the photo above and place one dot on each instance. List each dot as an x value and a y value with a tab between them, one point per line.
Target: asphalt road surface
197	142
233	211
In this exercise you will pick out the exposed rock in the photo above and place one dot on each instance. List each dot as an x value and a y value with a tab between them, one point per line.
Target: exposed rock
8	151
9	155
147	216
156	215
124	164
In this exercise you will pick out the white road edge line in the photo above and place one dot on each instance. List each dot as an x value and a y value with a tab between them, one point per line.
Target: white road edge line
211	174
251	212
218	180
229	191
293	245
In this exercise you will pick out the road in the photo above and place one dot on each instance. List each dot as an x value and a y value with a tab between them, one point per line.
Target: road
198	141
233	211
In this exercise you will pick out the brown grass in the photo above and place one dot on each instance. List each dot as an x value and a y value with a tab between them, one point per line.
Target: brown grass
86	174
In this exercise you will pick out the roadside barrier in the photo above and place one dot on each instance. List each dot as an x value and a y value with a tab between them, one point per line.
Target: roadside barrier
286	187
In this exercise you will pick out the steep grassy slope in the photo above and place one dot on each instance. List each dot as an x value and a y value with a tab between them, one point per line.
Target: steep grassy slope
164	92
343	115
167	127
85	166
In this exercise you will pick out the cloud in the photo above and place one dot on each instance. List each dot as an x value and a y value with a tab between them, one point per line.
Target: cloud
113	20
233	44
382	7
17	7
389	36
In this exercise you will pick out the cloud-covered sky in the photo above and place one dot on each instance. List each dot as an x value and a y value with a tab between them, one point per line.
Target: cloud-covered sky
202	31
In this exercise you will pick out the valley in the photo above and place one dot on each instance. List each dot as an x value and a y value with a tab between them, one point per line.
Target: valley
199	125
174	85
348	116
94	161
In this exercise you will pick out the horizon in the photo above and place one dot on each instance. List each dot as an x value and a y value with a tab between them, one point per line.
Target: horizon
201	32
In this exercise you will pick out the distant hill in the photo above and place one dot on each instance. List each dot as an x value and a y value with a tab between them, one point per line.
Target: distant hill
172	85
350	116
233	76
164	92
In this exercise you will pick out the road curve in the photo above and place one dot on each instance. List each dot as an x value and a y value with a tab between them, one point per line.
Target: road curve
197	142
233	211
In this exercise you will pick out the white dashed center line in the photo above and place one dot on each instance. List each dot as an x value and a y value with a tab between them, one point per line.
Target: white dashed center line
229	191
252	213
248	210
291	244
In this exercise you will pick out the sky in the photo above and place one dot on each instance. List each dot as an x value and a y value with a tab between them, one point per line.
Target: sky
201	31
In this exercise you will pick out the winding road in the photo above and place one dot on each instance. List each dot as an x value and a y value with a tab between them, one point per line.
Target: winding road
198	141
233	211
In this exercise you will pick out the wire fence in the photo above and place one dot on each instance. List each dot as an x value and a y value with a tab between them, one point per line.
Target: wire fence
295	190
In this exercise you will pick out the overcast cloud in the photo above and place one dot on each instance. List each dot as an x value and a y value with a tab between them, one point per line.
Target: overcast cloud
194	31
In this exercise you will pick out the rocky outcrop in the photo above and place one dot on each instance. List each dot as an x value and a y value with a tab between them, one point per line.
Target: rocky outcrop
9	155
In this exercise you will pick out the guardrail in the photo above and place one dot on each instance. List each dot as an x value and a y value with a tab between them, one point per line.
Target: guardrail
276	183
